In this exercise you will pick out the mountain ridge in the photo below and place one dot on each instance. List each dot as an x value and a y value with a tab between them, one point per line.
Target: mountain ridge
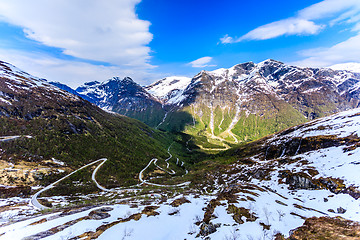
229	106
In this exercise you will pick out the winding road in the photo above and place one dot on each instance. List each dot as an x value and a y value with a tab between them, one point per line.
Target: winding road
38	205
34	202
154	184
154	160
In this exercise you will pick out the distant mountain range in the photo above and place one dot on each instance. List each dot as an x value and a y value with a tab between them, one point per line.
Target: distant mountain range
228	106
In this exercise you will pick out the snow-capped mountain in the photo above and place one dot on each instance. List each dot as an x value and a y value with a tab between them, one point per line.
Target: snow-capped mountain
70	90
249	100
274	78
168	90
114	91
124	96
244	102
352	66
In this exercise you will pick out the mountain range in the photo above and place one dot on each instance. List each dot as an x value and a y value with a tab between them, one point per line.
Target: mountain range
224	107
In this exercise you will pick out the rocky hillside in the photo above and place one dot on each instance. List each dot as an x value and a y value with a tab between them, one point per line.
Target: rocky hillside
42	126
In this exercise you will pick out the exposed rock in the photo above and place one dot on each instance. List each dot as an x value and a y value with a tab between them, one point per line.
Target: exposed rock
105	209
326	228
240	214
208	228
341	210
98	214
179	201
260	174
297	180
39	222
150	211
209	210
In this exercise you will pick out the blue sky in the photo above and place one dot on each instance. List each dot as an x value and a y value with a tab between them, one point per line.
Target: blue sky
78	41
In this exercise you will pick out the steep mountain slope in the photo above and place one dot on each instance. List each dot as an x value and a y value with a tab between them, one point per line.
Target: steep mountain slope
126	97
63	128
250	100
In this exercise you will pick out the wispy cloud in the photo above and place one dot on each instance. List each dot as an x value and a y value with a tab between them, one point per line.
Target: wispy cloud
72	73
202	62
346	51
107	31
304	23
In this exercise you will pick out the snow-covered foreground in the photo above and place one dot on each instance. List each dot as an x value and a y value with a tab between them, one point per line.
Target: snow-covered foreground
280	209
171	223
342	162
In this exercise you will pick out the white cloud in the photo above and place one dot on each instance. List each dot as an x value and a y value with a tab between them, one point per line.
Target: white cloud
291	26
71	73
329	8
304	23
227	39
346	51
202	62
108	31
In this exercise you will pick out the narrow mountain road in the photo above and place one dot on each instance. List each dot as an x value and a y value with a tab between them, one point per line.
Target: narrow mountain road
154	184
38	205
142	171
94	174
8	138
154	160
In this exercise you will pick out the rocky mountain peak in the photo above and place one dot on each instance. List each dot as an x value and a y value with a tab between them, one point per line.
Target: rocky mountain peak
269	67
124	96
120	81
